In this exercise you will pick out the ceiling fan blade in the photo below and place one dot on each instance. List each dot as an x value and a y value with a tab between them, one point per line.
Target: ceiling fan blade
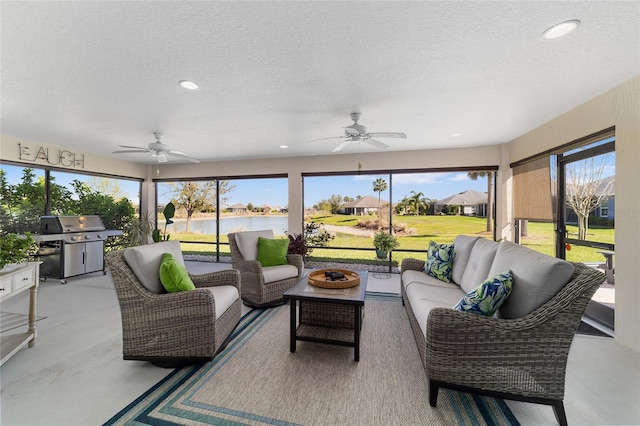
133	147
377	143
387	135
324	139
127	151
182	155
339	147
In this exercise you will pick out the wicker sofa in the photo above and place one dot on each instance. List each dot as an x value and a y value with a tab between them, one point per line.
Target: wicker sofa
521	352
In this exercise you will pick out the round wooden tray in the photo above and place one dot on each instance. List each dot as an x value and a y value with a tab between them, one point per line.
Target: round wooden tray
317	279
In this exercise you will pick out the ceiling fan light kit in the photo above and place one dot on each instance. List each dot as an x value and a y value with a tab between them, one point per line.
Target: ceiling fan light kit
358	133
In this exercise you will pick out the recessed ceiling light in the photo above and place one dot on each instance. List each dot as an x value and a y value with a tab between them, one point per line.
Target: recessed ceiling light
189	85
560	29
284	146
455	135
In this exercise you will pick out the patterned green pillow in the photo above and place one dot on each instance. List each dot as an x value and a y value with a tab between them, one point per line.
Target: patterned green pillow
488	296
439	261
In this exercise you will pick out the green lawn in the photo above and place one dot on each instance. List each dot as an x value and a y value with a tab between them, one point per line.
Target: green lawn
442	229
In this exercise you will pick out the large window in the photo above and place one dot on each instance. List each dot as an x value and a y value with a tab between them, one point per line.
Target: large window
207	210
416	207
28	193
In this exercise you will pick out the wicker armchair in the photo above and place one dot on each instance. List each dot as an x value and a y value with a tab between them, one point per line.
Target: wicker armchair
173	329
521	359
263	287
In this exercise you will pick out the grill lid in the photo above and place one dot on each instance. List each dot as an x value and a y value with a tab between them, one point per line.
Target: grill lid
68	224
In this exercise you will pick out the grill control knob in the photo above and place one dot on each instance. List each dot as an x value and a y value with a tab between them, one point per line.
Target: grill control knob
73	238
88	237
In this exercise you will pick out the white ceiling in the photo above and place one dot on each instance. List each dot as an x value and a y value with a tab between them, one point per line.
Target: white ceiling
92	75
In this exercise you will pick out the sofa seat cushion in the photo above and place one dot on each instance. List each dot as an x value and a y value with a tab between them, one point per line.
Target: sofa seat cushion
409	277
224	296
145	261
479	264
462	246
536	278
247	242
271	274
423	298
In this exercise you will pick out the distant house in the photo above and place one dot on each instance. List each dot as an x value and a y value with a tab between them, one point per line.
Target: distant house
362	206
470	203
238	208
606	188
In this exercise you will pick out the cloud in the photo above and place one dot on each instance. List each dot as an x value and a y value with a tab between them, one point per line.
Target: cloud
459	177
419	178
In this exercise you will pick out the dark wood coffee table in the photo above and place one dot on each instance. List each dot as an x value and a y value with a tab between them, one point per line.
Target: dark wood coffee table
332	316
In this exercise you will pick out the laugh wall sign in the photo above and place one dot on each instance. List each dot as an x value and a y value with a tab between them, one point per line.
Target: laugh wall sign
50	156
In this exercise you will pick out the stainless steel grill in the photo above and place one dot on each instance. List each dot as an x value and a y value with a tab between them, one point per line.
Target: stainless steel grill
72	245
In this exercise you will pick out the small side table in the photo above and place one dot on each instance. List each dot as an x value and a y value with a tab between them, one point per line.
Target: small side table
24	277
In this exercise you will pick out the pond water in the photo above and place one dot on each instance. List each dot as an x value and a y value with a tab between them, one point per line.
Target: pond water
279	224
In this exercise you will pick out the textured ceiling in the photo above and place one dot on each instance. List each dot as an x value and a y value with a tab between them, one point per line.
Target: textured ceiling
94	75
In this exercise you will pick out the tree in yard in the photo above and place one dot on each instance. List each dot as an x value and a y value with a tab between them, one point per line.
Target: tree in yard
586	190
379	186
418	202
250	207
490	201
198	196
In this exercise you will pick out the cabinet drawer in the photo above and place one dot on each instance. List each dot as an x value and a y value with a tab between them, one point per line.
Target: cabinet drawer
6	285
23	279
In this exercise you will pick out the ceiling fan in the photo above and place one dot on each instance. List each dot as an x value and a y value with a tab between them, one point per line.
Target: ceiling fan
358	133
157	149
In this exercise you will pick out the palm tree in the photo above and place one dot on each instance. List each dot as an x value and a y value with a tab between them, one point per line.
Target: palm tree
489	176
419	203
379	185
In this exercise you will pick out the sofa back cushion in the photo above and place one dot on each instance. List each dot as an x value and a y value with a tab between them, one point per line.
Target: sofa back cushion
462	246
145	261
536	278
479	264
247	242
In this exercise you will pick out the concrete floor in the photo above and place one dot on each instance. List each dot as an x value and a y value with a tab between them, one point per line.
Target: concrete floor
75	374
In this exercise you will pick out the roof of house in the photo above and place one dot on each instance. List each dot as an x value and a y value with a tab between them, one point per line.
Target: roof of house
237	206
468	197
364	202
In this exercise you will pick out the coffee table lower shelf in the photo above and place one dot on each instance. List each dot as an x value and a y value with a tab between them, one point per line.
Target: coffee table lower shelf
324	334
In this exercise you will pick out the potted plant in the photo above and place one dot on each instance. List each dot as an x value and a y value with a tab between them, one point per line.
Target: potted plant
15	248
384	243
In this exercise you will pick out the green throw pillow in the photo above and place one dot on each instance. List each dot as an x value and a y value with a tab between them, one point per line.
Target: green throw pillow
272	252
173	276
439	262
488	296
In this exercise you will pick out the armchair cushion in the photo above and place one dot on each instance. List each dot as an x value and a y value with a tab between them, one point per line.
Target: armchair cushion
488	296
224	296
272	252
248	242
271	274
145	261
173	276
439	261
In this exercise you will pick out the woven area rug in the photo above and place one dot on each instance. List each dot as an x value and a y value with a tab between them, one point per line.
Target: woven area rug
256	381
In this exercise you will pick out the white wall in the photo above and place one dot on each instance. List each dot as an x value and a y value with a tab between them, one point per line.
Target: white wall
619	107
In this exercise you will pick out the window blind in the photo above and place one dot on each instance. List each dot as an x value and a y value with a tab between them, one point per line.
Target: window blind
532	190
